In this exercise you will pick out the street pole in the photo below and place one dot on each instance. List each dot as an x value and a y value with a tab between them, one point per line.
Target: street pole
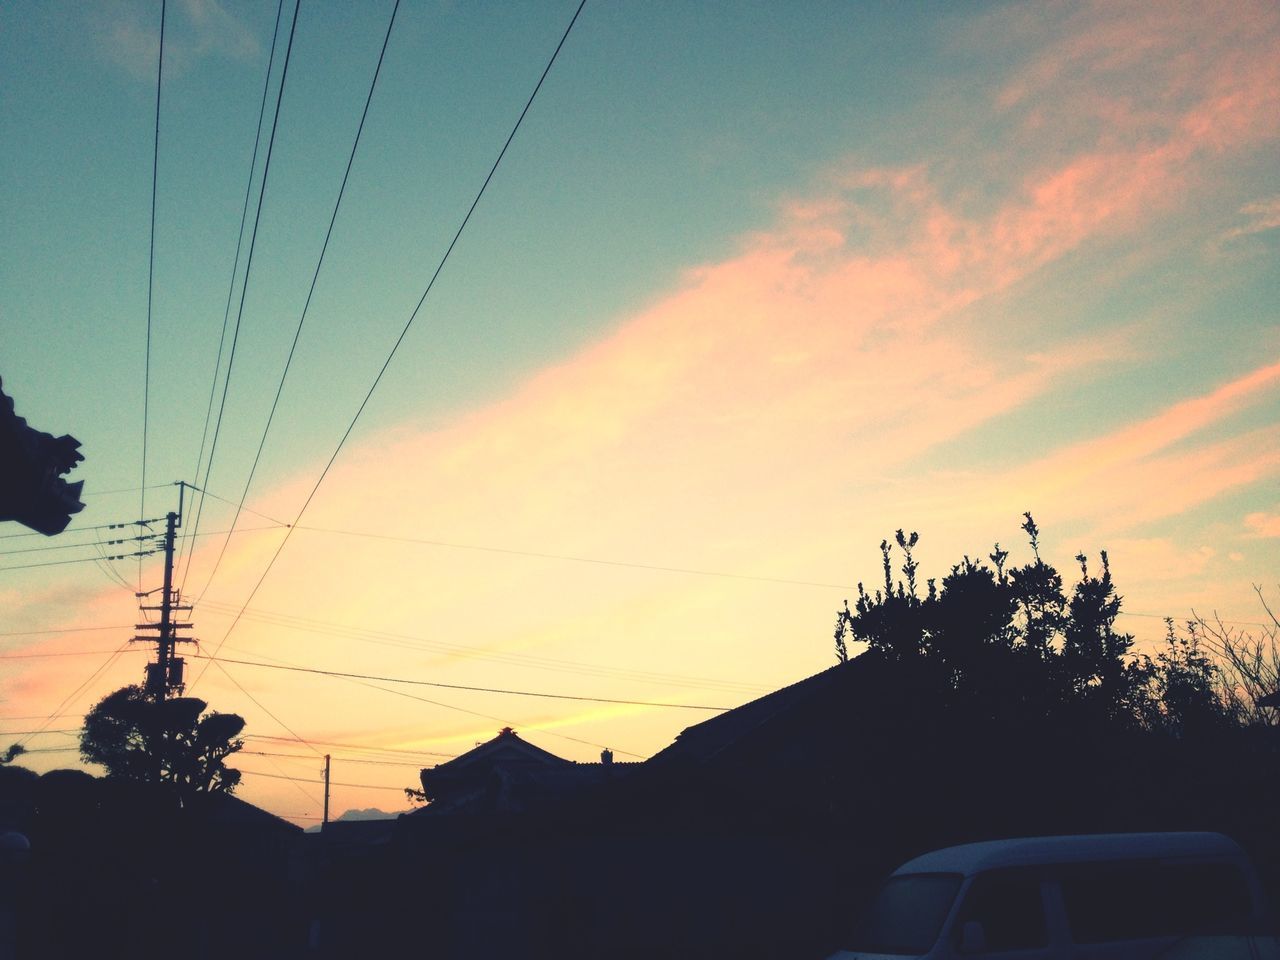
164	676
325	821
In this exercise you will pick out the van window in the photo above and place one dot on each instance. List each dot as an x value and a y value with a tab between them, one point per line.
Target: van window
1129	901
908	913
1010	908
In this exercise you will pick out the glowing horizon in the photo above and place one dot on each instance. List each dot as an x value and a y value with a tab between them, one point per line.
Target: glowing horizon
1043	284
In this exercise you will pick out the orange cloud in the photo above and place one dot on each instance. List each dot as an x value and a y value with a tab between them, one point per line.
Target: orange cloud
771	417
1263	524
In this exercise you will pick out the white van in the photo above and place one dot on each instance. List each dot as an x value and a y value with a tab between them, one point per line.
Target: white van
1132	896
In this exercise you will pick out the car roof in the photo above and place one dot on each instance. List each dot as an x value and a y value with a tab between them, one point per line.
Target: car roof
1026	851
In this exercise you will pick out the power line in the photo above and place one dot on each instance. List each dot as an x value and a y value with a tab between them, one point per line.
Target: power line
100	526
408	324
215	533
302	319
263	708
248	269
51	750
107	493
235	269
284	725
409	642
448	706
20	733
119	556
58	563
72	653
210	493
310	759
576	559
29	633
458	686
110	572
1157	616
72	546
488	716
340	745
151	272
57	712
332	783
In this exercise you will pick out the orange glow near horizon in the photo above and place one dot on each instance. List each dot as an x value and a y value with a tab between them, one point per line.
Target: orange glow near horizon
661	514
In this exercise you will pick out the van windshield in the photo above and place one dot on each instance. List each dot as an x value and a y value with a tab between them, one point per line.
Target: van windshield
907	915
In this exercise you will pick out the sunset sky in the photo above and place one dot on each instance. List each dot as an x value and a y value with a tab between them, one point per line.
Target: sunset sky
755	285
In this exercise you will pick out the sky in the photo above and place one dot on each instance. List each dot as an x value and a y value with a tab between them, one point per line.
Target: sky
754	286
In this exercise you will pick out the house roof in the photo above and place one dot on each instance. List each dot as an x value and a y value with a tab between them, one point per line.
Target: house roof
703	741
507	774
506	746
231	810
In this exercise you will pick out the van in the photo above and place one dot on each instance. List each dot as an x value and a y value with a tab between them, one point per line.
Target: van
1134	896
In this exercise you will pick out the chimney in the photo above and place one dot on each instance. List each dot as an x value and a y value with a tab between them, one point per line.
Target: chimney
606	756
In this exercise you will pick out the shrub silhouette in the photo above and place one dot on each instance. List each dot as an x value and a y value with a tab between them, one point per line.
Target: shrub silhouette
164	742
1013	644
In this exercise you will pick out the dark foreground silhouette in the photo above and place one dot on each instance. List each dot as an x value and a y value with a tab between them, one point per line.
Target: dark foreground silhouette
985	707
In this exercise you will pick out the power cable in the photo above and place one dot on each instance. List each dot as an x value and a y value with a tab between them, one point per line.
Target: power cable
405	641
332	783
151	272
408	324
110	572
51	750
333	743
263	708
68	653
297	786
30	633
445	706
248	269
575	559
337	759
58	563
100	526
57	712
19	733
458	686
505	722
297	333
107	493
210	493
231	287
72	546
284	725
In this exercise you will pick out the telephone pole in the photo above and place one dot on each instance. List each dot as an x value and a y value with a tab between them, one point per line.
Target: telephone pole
325	821
164	674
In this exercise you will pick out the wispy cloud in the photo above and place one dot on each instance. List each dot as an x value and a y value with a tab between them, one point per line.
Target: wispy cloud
1263	524
1261	216
835	377
128	36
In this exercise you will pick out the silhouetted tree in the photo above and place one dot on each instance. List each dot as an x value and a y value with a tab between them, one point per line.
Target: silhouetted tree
165	742
1010	643
1248	663
1188	688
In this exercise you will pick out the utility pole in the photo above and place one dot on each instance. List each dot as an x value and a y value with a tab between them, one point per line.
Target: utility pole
164	674
325	821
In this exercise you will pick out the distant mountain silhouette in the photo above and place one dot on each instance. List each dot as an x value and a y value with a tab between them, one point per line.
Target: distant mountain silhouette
368	813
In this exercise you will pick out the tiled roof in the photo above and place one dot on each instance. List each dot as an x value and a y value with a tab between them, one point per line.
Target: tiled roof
704	740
